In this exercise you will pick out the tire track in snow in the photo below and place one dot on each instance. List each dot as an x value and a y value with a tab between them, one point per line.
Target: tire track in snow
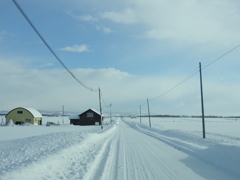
115	163
143	161
108	163
199	152
130	154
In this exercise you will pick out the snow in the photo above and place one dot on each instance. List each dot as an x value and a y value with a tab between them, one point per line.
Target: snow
173	148
9	123
34	112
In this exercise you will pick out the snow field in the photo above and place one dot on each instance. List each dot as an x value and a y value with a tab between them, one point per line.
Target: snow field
127	149
64	155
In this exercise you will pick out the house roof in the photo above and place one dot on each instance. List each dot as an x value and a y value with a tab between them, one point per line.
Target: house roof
74	117
34	112
78	116
91	110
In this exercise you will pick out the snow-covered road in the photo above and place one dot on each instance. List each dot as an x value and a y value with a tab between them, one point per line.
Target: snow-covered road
134	154
123	151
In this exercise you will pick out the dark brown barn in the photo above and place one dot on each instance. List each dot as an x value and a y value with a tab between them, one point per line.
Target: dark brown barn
89	117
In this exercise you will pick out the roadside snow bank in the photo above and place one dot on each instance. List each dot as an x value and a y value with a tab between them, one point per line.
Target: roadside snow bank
63	155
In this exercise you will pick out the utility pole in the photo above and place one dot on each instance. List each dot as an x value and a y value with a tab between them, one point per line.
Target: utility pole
140	115
62	114
100	106
111	113
201	88
149	114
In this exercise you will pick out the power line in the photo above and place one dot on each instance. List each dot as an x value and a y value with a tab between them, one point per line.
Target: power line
105	103
195	72
221	56
51	50
143	103
184	80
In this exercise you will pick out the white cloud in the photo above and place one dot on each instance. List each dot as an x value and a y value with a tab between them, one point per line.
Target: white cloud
191	21
127	16
46	65
83	17
104	29
51	88
76	48
87	18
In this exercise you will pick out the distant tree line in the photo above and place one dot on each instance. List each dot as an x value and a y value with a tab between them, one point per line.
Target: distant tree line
190	116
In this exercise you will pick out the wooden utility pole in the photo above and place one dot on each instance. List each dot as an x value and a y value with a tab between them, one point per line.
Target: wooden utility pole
62	114
111	113
201	88
149	114
140	115
100	106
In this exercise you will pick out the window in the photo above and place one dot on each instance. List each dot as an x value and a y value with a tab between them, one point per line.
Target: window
89	114
19	112
28	120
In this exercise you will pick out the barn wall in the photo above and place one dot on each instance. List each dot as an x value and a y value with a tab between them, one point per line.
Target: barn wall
25	117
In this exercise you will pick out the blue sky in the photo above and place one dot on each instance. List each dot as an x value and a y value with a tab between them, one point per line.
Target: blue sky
132	50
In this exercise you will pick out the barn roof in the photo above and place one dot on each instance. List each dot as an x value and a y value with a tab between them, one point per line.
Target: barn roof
34	112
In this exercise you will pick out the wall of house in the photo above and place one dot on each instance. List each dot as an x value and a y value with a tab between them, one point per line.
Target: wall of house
75	121
90	118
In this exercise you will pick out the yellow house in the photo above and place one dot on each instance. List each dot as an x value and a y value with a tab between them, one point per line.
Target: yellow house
22	115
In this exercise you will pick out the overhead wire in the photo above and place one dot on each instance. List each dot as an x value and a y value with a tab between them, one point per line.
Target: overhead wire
104	102
220	57
184	80
91	89
194	72
48	46
143	103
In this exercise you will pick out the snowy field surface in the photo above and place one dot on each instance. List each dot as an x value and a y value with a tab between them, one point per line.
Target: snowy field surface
173	148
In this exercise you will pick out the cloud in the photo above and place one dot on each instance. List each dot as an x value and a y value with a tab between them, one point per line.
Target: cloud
104	29
87	18
49	89
77	48
46	65
190	21
127	16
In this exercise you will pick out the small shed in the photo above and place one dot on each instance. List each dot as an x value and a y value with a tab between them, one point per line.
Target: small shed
22	115
89	117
